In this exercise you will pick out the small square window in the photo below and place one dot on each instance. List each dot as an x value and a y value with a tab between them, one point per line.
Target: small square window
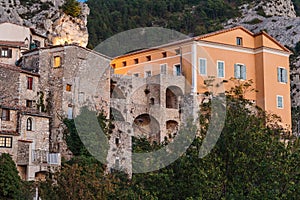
6	142
124	63
164	54
239	41
29	103
148	58
136	75
68	88
5	115
148	74
136	61
57	61
177	51
29	83
113	66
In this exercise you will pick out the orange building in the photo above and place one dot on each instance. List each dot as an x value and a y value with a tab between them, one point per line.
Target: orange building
222	55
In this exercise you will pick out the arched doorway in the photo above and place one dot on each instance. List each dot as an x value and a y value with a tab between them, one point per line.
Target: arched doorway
173	95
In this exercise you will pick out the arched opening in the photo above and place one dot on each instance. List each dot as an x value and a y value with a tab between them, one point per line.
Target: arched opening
29	124
173	95
146	126
116	92
172	128
116	115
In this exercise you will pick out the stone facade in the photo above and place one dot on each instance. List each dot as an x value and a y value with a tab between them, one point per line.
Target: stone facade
80	79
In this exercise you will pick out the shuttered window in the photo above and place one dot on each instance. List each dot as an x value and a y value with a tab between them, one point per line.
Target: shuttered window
282	75
240	71
202	66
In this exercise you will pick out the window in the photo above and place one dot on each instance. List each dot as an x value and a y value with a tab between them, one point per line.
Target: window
113	66
163	68
239	41
117	141
279	101
5	115
240	71
29	83
152	101
164	54
29	103
202	66
6	142
177	51
117	163
148	74
136	61
136	75
70	112
29	124
68	88
57	61
282	75
221	69
6	53
177	70
148	58
124	63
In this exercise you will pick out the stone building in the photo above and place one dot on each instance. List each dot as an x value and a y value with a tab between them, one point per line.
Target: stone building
71	77
24	129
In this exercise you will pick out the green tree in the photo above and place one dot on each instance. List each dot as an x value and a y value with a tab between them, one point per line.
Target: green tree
10	182
72	8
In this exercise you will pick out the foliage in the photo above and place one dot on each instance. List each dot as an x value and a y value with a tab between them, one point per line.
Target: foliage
186	16
72	8
10	182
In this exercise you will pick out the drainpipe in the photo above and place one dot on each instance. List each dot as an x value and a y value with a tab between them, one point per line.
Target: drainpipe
194	68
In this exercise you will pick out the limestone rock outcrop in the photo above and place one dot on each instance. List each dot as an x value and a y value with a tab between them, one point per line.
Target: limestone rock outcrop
46	17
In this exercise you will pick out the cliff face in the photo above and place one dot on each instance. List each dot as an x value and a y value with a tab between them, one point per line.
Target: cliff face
48	19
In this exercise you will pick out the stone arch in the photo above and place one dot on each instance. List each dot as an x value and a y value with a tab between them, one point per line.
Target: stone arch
116	115
147	126
173	95
116	92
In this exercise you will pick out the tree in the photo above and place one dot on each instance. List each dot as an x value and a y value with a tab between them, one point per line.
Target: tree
72	8
10	182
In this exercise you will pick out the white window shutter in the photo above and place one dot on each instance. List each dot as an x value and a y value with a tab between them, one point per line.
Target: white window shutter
237	71
279	74
284	75
243	72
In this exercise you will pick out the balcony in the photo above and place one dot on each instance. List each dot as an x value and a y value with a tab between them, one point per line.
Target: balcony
44	157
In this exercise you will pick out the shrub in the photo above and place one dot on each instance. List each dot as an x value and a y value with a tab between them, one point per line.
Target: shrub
72	8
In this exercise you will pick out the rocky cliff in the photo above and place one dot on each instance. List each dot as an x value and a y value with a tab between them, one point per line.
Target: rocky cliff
48	19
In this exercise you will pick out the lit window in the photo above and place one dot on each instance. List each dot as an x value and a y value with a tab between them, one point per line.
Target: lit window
57	61
6	53
29	124
136	61
148	58
202	66
163	68
239	41
29	83
279	101
177	70
240	71
164	54
5	115
6	142
29	103
221	69
68	87
282	75
148	74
